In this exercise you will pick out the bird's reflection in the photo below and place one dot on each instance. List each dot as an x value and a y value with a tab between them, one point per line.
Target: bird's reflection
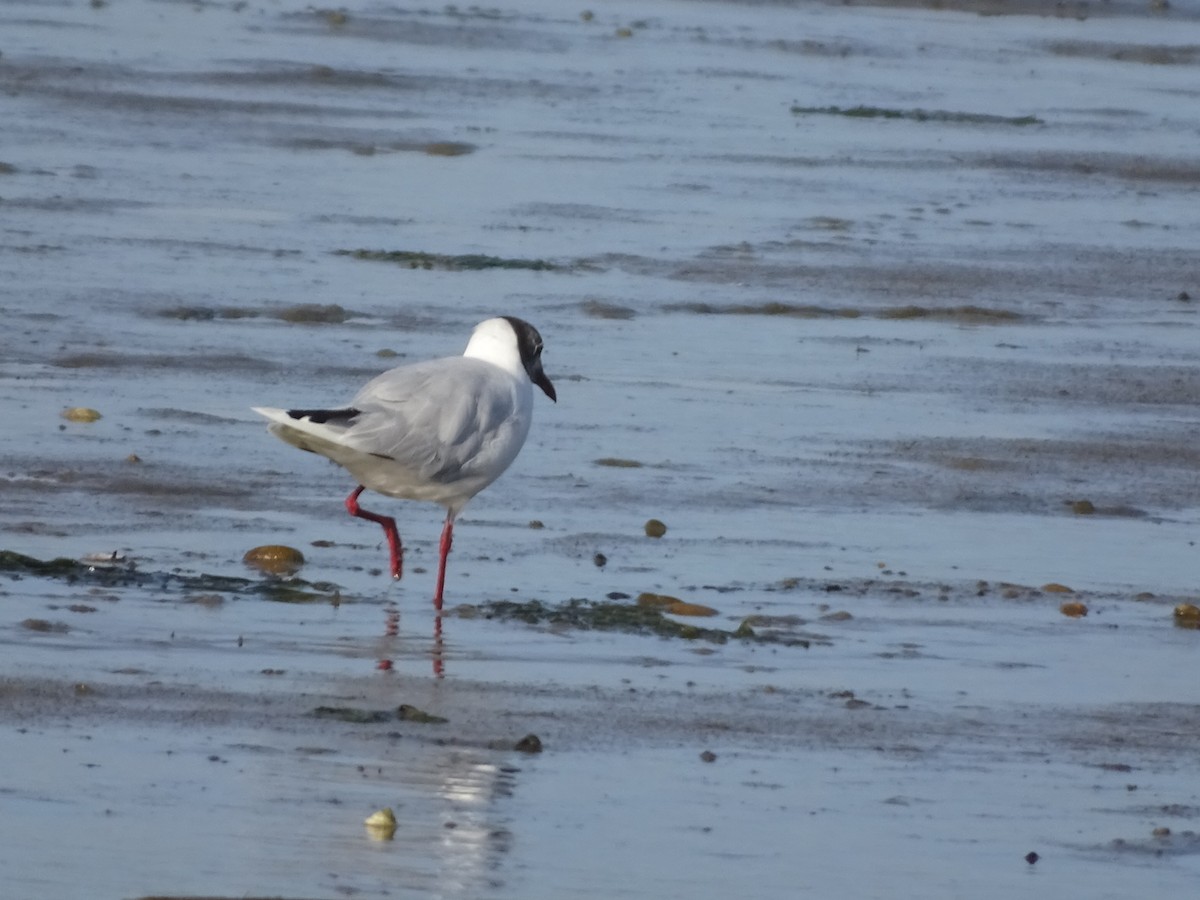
391	634
438	654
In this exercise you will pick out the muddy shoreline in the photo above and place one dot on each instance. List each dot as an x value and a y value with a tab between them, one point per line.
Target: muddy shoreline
886	312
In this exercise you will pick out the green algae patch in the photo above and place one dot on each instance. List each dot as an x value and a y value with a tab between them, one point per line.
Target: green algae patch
448	148
773	308
745	631
617	462
1149	54
354	715
968	314
296	591
829	223
19	564
358	716
409	713
300	313
599	309
915	115
418	259
314	314
290	590
45	626
629	618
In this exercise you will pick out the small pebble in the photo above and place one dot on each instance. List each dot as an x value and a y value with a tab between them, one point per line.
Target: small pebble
274	559
655	528
1187	615
646	598
683	608
531	743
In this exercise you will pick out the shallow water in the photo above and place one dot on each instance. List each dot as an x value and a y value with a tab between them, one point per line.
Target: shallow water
865	362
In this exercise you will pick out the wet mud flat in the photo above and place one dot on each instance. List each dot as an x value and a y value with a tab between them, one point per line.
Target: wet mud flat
956	723
886	311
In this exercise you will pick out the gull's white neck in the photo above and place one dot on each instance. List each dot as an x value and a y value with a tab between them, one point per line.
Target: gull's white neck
494	341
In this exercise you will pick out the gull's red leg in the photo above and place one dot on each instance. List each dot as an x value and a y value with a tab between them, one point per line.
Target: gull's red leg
389	529
444	552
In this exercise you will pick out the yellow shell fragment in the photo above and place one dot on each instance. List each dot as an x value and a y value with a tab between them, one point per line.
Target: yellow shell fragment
1055	588
381	818
381	824
80	414
1074	609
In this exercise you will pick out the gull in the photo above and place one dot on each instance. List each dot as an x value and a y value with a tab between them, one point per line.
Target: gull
439	431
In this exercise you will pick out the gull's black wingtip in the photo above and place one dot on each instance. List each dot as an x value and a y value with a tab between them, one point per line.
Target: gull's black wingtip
325	416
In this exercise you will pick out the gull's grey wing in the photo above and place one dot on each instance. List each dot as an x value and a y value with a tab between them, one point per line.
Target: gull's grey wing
441	418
